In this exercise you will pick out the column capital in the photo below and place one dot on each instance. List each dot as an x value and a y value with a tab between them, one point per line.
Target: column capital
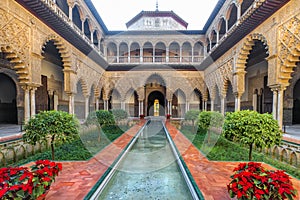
277	87
238	94
70	93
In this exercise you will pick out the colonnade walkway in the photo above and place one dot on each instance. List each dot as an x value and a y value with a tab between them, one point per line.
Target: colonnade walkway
212	177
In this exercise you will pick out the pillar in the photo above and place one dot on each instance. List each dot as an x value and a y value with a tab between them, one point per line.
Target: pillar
239	11
26	103
128	57
105	102
118	54
237	104
223	105
254	102
167	54
153	54
86	109
97	103
71	104
280	107
141	54
212	104
32	101
92	37
70	12
187	106
82	26
275	103
180	54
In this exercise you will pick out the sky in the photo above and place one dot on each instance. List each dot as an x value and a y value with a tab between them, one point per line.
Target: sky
116	13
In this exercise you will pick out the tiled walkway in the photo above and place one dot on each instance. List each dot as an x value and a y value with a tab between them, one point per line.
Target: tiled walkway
78	178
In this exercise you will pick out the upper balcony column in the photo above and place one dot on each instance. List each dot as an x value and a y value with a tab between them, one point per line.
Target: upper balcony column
205	51
180	54
153	54
192	54
210	44
118	54
92	36
82	26
226	25
218	37
141	54
239	11
167	54
105	50
70	12
128	55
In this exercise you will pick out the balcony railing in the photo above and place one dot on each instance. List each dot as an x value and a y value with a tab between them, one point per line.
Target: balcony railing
157	59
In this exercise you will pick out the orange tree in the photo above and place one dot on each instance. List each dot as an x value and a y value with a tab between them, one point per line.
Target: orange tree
252	128
58	126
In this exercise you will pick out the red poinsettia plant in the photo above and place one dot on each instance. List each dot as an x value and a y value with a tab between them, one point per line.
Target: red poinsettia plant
18	183
252	181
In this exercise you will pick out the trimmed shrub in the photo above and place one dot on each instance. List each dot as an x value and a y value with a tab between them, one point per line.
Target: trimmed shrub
252	128
58	126
192	115
119	115
210	119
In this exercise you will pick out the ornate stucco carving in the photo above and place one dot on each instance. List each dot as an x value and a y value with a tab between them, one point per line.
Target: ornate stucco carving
14	41
288	49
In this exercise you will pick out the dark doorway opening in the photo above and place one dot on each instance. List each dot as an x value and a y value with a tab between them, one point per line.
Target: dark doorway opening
156	95
8	104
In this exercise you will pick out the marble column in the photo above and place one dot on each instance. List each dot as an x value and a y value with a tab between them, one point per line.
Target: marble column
71	103
223	105
97	103
280	107
254	102
275	102
87	107
212	104
26	103
32	101
237	102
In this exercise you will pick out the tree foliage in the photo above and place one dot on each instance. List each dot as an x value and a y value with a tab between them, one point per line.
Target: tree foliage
192	115
252	128
58	126
100	118
210	119
105	117
119	114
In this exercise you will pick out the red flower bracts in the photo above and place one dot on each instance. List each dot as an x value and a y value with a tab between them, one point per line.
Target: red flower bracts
252	181
23	183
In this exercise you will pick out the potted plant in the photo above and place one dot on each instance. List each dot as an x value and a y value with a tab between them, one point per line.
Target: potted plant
168	116
142	116
252	181
28	183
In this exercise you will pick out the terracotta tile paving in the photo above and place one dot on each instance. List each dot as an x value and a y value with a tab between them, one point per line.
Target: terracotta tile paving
78	178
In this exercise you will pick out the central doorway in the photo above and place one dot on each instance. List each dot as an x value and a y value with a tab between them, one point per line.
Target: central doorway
156	104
